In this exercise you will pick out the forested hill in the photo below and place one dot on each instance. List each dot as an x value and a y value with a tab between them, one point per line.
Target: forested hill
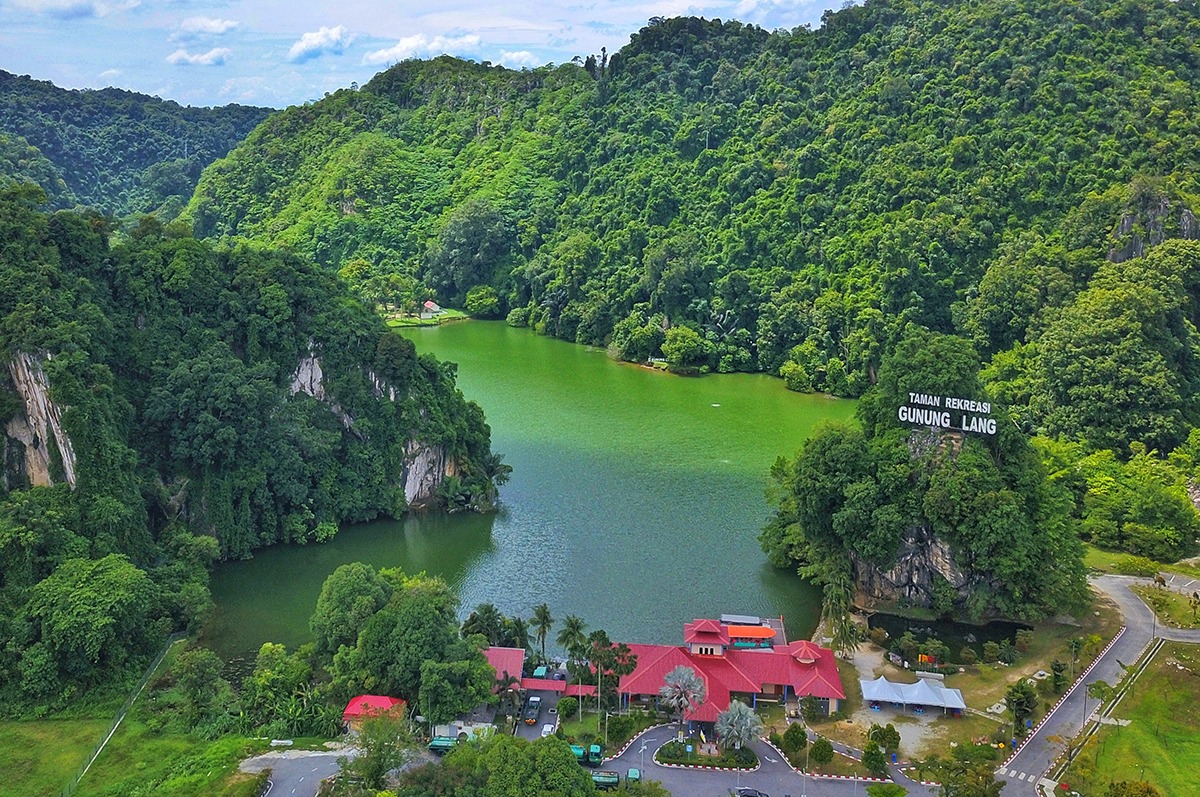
734	199
120	152
165	404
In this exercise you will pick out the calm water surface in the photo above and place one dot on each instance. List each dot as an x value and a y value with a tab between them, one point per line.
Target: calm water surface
635	501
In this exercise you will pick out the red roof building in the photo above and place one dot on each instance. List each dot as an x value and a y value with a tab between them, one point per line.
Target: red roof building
505	660
797	670
363	706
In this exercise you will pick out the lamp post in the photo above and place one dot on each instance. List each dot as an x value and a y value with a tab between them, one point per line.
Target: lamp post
642	758
807	747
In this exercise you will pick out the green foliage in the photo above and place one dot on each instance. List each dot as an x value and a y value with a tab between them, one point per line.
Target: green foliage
738	725
384	743
122	152
349	597
851	496
503	766
173	365
886	736
874	760
1022	701
450	688
821	752
795	738
567	706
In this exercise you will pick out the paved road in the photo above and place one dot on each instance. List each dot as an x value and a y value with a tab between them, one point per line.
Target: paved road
294	773
549	715
774	776
1032	761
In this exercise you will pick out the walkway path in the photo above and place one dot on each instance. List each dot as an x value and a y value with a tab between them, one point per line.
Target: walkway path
1025	770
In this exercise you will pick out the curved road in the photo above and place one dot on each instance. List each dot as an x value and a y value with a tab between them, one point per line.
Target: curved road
1024	771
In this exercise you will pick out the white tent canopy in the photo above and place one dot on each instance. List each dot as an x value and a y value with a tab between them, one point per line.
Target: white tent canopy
922	693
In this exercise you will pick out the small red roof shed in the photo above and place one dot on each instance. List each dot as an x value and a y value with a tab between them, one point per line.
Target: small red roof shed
367	705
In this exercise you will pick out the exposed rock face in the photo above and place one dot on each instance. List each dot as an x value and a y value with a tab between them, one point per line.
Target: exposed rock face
425	466
1154	219
309	378
30	433
921	556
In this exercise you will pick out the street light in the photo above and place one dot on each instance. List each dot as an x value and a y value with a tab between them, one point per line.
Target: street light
807	747
642	758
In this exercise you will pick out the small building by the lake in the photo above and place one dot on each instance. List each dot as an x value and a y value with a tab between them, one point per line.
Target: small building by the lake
363	706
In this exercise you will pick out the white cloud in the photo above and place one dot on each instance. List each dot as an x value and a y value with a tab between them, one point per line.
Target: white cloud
316	43
214	57
76	9
420	44
107	73
519	58
210	25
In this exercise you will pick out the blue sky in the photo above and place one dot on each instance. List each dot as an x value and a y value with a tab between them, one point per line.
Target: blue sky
278	53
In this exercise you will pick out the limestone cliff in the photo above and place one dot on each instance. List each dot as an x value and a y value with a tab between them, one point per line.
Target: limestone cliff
921	556
37	449
425	466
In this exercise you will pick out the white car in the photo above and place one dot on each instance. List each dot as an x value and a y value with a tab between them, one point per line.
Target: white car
547	730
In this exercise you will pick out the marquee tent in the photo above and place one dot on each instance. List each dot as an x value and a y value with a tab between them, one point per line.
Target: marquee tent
923	693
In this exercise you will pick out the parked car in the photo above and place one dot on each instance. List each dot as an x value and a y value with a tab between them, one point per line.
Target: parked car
533	708
547	730
746	791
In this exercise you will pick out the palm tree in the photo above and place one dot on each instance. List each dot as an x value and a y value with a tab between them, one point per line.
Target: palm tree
837	599
738	725
486	620
541	623
516	632
572	636
682	691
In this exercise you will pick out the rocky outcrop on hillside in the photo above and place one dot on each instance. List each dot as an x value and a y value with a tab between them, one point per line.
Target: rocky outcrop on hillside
425	466
37	450
921	557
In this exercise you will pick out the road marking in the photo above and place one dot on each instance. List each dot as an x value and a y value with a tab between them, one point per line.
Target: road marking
772	760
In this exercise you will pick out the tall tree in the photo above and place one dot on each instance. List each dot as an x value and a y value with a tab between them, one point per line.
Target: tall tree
738	725
542	622
572	636
683	691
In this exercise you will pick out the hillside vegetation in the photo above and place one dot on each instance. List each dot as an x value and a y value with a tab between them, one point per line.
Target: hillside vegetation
117	151
1019	175
180	432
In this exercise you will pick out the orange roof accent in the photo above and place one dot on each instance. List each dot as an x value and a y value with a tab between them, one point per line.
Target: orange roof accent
751	632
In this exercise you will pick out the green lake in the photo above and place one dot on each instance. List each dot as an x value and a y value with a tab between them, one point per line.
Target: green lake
635	501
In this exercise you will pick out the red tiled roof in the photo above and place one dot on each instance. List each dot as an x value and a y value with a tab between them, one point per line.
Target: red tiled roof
780	666
577	690
503	660
545	684
705	631
365	705
746	671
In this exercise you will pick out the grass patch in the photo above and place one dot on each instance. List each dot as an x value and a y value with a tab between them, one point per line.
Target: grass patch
1160	745
621	728
395	321
143	760
39	756
1118	562
840	765
1172	608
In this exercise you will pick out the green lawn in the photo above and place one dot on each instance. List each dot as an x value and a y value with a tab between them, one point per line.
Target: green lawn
39	756
590	727
1172	608
416	321
1160	745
